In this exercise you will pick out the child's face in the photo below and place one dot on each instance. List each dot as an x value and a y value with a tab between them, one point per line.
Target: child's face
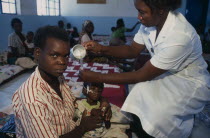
94	93
30	37
53	58
90	28
17	27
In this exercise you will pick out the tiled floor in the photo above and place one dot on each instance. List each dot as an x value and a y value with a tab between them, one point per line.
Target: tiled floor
7	90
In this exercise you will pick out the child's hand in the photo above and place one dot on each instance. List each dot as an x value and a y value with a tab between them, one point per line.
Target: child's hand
96	112
90	122
106	110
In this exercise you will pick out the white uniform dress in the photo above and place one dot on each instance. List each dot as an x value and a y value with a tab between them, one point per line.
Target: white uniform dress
166	104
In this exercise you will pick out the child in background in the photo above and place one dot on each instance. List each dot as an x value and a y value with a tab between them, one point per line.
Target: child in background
30	41
74	37
61	24
69	30
120	30
114	41
75	33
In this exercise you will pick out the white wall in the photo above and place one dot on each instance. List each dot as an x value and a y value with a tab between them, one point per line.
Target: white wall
112	8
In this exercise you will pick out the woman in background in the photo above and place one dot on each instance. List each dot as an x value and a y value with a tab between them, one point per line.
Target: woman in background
87	30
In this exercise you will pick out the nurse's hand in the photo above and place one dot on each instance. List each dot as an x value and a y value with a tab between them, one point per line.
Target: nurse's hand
93	47
89	76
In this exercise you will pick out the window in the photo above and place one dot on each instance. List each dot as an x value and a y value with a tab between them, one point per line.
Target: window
8	6
48	7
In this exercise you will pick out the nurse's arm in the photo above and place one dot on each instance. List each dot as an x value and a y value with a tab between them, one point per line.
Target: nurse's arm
146	73
123	51
131	51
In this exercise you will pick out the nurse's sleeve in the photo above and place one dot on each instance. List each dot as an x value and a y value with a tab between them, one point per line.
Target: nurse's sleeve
138	38
173	55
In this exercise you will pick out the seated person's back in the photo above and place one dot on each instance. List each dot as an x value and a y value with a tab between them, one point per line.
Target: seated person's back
29	41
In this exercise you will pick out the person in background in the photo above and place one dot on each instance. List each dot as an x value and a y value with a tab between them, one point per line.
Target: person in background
87	30
30	42
174	84
74	38
44	105
61	24
85	36
75	33
120	29
16	40
115	41
69	30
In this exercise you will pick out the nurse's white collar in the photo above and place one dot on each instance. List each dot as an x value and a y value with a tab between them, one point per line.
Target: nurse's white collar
168	25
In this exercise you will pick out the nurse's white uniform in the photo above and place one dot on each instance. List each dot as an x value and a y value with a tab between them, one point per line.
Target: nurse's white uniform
166	104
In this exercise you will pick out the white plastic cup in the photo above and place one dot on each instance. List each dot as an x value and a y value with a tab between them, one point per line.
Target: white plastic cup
78	51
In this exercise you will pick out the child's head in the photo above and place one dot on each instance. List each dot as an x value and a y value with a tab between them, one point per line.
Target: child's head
120	23
113	29
75	29
60	24
16	24
51	50
93	91
30	36
68	26
88	27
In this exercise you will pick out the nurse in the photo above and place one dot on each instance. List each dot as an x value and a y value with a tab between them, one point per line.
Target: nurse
174	84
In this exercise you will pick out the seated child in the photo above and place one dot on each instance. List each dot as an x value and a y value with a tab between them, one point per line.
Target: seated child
29	42
91	104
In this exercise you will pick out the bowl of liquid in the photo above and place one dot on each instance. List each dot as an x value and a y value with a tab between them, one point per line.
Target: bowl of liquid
78	51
